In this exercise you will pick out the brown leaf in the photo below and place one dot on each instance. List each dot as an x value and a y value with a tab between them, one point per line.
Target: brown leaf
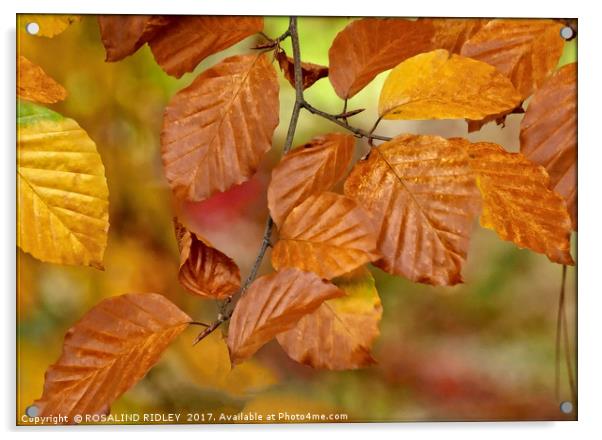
500	118
339	334
108	351
526	51
438	85
273	304
204	270
35	85
451	33
216	130
190	39
328	234
307	170
311	72
122	35
548	133
422	197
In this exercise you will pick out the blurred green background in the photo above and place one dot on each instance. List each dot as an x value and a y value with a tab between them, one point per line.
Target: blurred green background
484	350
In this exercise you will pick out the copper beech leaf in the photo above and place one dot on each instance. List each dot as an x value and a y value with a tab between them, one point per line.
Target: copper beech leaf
108	351
310	72
216	130
422	196
204	270
517	203
328	234
437	85
548	133
188	40
339	334
526	51
307	170
273	304
35	85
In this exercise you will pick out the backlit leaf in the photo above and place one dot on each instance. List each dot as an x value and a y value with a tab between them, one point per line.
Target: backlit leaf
216	130
50	25
339	334
188	40
273	304
35	85
108	351
307	170
204	270
526	51
62	214
311	72
422	196
437	85
548	133
328	234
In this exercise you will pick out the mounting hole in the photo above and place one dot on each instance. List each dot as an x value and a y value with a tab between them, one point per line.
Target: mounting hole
32	411
566	407
32	28
567	32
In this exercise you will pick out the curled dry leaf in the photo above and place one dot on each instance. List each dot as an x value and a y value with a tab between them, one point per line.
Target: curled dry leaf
122	35
517	203
204	270
340	333
328	234
188	40
108	351
422	196
35	85
437	85
216	130
548	133
526	51
63	198
311	72
50	25
307	170
273	304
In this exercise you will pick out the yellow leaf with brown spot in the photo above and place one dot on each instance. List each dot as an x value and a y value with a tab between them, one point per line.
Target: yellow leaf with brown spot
50	25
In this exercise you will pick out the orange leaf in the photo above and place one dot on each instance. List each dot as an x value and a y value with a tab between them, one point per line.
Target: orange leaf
307	170
273	304
422	197
216	130
526	51
108	351
35	85
517	203
204	270
548	133
339	334
437	85
328	234
311	72
190	39
122	35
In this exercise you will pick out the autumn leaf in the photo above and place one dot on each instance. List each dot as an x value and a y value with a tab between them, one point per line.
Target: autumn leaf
35	85
422	196
108	351
62	214
122	35
437	85
308	170
499	119
548	133
216	130
451	33
204	270
273	304
328	234
50	25
339	334
310	72
188	40
517	203
526	51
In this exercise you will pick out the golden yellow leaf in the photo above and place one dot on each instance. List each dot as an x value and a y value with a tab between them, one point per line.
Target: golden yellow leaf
35	85
62	214
339	334
50	24
422	196
437	85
